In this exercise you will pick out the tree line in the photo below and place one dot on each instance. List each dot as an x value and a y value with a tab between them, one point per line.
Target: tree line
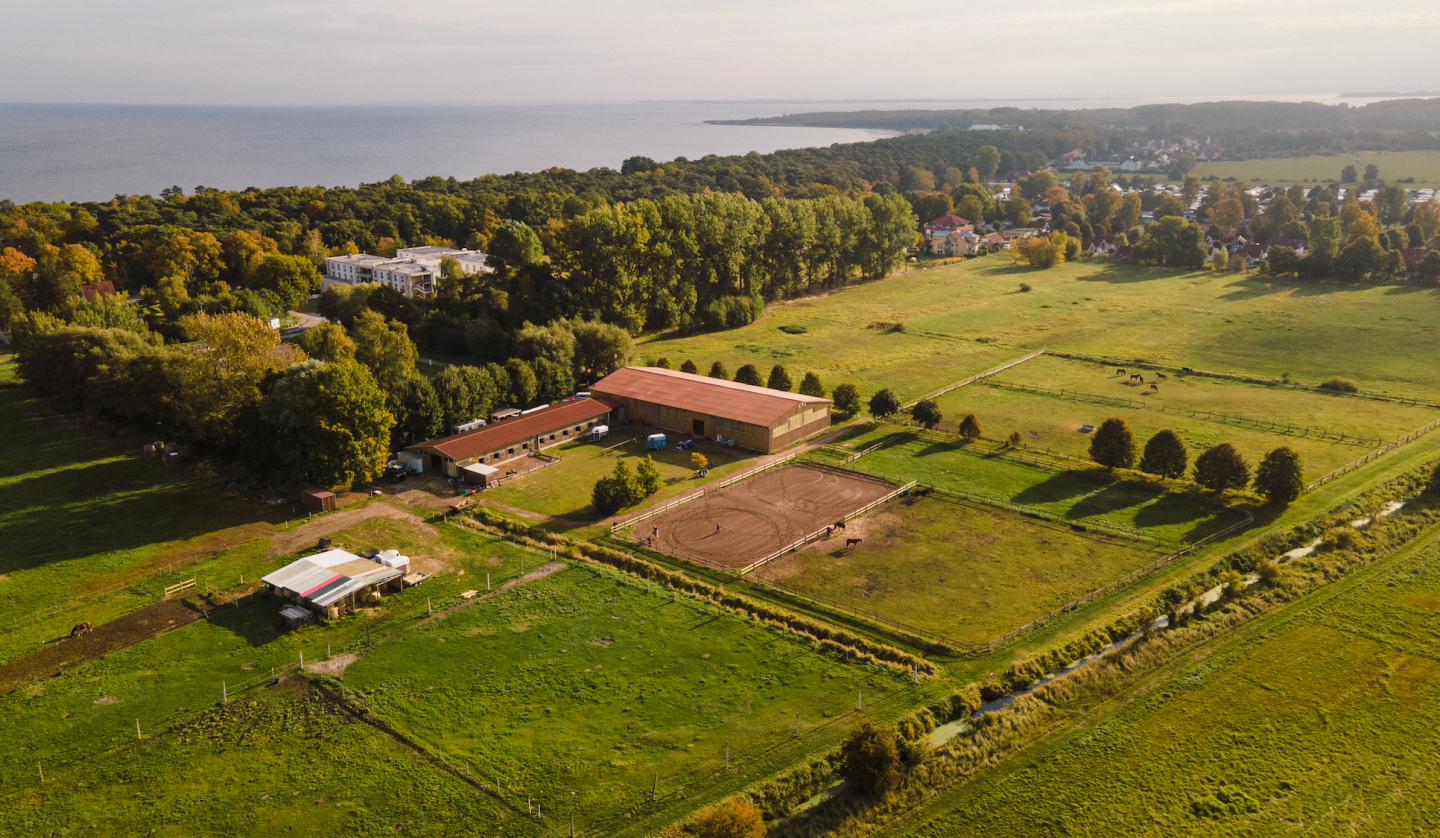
325	409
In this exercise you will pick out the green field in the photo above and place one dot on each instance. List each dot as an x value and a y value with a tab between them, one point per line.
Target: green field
1079	497
1234	412
1318	720
965	570
563	490
83	511
963	319
578	689
1395	166
282	762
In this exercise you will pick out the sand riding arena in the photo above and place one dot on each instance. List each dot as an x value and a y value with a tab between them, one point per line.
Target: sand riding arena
734	527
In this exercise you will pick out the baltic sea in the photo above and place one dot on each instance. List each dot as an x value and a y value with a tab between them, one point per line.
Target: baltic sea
93	152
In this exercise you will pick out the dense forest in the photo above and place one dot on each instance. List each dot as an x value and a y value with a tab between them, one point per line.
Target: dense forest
1246	129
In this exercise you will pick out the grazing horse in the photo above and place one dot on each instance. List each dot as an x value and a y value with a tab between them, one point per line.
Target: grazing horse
1140	378
1134	376
1120	371
851	542
1160	375
839	525
1155	387
83	628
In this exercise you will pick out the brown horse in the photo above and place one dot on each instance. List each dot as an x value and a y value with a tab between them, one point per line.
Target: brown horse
1155	387
1120	371
851	542
83	628
1160	375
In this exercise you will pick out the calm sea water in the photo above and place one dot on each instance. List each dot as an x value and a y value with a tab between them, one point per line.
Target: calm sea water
92	152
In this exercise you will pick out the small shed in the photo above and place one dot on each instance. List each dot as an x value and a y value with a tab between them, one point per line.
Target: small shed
334	582
480	475
317	500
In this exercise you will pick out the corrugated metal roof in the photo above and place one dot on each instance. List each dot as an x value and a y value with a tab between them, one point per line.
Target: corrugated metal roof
328	577
522	429
700	394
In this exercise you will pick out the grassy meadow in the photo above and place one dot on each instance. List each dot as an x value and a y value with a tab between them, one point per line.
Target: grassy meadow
83	511
1395	166
966	318
1317	720
1077	497
576	690
965	570
563	490
1231	412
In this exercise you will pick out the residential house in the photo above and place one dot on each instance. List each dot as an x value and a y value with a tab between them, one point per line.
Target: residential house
944	226
1071	160
1100	245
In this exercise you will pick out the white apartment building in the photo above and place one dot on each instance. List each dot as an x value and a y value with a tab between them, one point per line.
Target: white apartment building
413	271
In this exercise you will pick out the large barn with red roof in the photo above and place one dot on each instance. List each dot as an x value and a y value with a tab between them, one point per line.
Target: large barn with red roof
757	418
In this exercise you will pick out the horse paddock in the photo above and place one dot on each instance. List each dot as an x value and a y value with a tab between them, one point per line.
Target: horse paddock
733	527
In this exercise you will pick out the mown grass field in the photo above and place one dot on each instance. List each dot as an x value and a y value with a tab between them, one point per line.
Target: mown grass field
1076	497
578	689
563	490
1395	166
963	319
1318	720
1237	413
965	570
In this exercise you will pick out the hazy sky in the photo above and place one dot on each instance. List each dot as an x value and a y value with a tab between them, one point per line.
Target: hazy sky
358	51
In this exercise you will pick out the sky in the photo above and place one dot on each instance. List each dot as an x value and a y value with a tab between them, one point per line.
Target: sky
381	51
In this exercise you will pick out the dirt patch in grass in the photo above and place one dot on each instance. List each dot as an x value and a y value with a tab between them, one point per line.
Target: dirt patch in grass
306	535
335	666
519	627
65	652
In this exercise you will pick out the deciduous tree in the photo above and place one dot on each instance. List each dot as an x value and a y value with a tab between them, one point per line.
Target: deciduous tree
846	399
871	758
1221	467
1165	455
1113	445
883	404
970	429
747	374
810	386
779	379
926	414
1279	476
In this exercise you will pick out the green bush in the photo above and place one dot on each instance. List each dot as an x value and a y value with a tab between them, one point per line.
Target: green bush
1340	385
793	330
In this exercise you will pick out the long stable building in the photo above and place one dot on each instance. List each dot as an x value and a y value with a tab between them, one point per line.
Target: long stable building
472	455
754	417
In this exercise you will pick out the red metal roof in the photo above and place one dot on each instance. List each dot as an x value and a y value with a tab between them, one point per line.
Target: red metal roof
701	394
520	429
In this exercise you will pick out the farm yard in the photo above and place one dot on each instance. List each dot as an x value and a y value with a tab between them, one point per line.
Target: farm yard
562	490
964	570
1319	719
1049	399
733	527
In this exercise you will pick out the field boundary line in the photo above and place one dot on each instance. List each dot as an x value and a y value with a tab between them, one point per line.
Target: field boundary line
1375	455
1258	425
972	379
806	539
730	481
1245	379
